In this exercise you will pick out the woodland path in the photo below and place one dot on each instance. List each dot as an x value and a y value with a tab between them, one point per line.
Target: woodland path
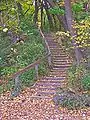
36	103
61	61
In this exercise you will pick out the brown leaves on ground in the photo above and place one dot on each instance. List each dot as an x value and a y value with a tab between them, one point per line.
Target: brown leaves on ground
24	107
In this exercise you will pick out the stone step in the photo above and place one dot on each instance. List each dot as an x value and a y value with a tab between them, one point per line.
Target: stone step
57	49
53	46
61	61
61	56
58	74
58	54
48	84
53	78
45	89
52	42
45	93
57	70
60	66
52	82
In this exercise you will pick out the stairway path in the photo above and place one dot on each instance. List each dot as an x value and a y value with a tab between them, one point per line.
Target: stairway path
27	106
47	85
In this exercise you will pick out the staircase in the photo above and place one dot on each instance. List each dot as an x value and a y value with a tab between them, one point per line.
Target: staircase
47	85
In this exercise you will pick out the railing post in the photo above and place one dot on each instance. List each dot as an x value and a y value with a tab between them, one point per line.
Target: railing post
49	60
36	71
17	86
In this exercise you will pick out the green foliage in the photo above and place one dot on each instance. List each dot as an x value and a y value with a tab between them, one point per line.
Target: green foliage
57	11
7	71
22	54
77	7
71	100
86	82
75	75
28	78
7	87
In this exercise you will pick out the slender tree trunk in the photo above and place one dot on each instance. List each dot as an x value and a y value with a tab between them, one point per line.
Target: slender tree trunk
42	15
48	14
55	22
70	27
61	18
36	12
20	11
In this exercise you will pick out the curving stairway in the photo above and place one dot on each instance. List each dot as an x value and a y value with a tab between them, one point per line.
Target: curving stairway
47	85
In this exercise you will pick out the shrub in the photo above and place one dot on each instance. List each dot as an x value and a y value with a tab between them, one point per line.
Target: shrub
86	82
75	75
71	100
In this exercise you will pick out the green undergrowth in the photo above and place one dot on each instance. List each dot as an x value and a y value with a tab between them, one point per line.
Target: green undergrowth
20	55
76	95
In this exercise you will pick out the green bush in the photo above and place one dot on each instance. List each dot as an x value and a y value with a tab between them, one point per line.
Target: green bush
86	82
71	100
23	53
75	74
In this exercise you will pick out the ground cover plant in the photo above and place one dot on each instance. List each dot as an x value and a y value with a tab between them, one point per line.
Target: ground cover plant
15	56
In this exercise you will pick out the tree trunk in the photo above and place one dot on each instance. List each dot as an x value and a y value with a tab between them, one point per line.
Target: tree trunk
36	12
42	15
61	18
48	14
71	29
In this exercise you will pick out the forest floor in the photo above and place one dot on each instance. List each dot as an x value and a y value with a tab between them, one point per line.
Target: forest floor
25	107
32	105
